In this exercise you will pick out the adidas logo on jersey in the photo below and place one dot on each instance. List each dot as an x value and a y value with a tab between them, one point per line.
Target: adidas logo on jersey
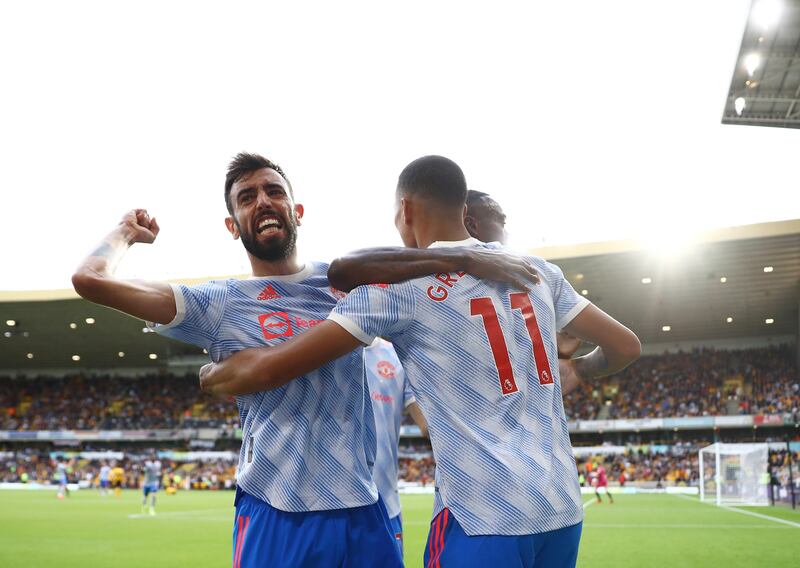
268	293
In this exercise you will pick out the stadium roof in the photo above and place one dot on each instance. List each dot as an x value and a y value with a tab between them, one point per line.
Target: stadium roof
685	291
766	79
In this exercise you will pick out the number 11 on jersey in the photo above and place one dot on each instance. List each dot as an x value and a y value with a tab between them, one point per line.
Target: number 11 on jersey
484	307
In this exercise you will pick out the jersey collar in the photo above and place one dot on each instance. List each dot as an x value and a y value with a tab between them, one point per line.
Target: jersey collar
305	272
471	241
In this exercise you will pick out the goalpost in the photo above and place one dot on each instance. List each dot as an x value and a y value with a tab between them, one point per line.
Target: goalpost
734	474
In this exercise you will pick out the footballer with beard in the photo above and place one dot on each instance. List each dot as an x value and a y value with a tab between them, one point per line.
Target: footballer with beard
305	490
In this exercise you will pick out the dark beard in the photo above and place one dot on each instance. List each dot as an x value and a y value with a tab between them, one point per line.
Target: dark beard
276	249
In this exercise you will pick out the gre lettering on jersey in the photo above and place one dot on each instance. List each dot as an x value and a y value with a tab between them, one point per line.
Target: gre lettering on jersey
482	363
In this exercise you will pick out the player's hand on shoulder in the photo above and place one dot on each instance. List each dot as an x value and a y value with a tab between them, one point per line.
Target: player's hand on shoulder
501	266
139	227
567	345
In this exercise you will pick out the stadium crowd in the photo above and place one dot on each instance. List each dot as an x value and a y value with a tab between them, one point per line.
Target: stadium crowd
697	383
34	466
110	403
703	382
678	465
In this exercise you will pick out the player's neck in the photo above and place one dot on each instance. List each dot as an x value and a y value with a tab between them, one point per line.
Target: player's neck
440	230
282	267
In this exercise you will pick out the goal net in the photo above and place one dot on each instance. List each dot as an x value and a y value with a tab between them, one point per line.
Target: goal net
734	474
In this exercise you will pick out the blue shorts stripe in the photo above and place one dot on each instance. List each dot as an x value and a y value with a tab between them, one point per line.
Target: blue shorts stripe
449	546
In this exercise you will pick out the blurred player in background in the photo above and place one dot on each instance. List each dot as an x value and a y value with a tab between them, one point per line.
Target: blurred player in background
602	481
62	470
105	474
305	493
150	485
117	476
391	394
481	360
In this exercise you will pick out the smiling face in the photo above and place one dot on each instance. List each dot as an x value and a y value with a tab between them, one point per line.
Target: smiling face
264	215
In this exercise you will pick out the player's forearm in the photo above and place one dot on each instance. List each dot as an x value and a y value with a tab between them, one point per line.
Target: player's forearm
267	368
388	265
601	363
94	280
101	263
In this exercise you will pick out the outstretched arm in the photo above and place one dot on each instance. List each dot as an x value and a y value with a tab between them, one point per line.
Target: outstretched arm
94	279
266	368
389	265
617	347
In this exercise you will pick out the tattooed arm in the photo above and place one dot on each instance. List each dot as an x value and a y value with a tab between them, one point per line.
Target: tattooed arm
617	347
94	279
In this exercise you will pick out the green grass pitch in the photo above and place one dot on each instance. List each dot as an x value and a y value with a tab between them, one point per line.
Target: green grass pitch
194	529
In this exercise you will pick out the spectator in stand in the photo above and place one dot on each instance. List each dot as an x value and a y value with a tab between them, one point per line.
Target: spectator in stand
700	383
704	382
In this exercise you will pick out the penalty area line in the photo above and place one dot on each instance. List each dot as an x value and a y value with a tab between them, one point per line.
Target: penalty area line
745	512
589	503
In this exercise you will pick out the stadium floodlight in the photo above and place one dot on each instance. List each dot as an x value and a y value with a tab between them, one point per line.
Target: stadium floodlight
29	355
766	13
585	292
769	321
729	319
90	321
121	354
734	474
646	280
73	325
666	328
76	357
752	62
739	104
768	269
723	279
153	356
11	323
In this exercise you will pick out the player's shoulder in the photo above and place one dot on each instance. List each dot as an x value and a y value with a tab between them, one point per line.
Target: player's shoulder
547	270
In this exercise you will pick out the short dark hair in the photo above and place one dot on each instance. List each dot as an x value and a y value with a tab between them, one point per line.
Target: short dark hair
475	197
243	164
434	177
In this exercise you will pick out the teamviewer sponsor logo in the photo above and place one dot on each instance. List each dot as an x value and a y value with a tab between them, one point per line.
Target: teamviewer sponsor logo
275	325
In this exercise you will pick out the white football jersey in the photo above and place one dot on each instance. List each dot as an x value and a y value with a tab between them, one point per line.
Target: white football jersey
310	444
482	362
390	394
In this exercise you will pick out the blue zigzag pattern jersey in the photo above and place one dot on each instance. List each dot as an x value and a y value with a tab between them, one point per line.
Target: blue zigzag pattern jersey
390	393
306	446
482	362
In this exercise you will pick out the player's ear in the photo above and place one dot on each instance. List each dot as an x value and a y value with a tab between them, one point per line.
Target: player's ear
406	210
232	228
299	210
471	225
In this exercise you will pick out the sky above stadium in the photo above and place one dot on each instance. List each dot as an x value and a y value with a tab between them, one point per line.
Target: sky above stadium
588	121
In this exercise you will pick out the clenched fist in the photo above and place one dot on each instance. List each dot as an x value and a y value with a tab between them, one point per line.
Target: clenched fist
139	227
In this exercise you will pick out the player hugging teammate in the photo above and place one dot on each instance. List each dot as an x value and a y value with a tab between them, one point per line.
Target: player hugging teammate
477	340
